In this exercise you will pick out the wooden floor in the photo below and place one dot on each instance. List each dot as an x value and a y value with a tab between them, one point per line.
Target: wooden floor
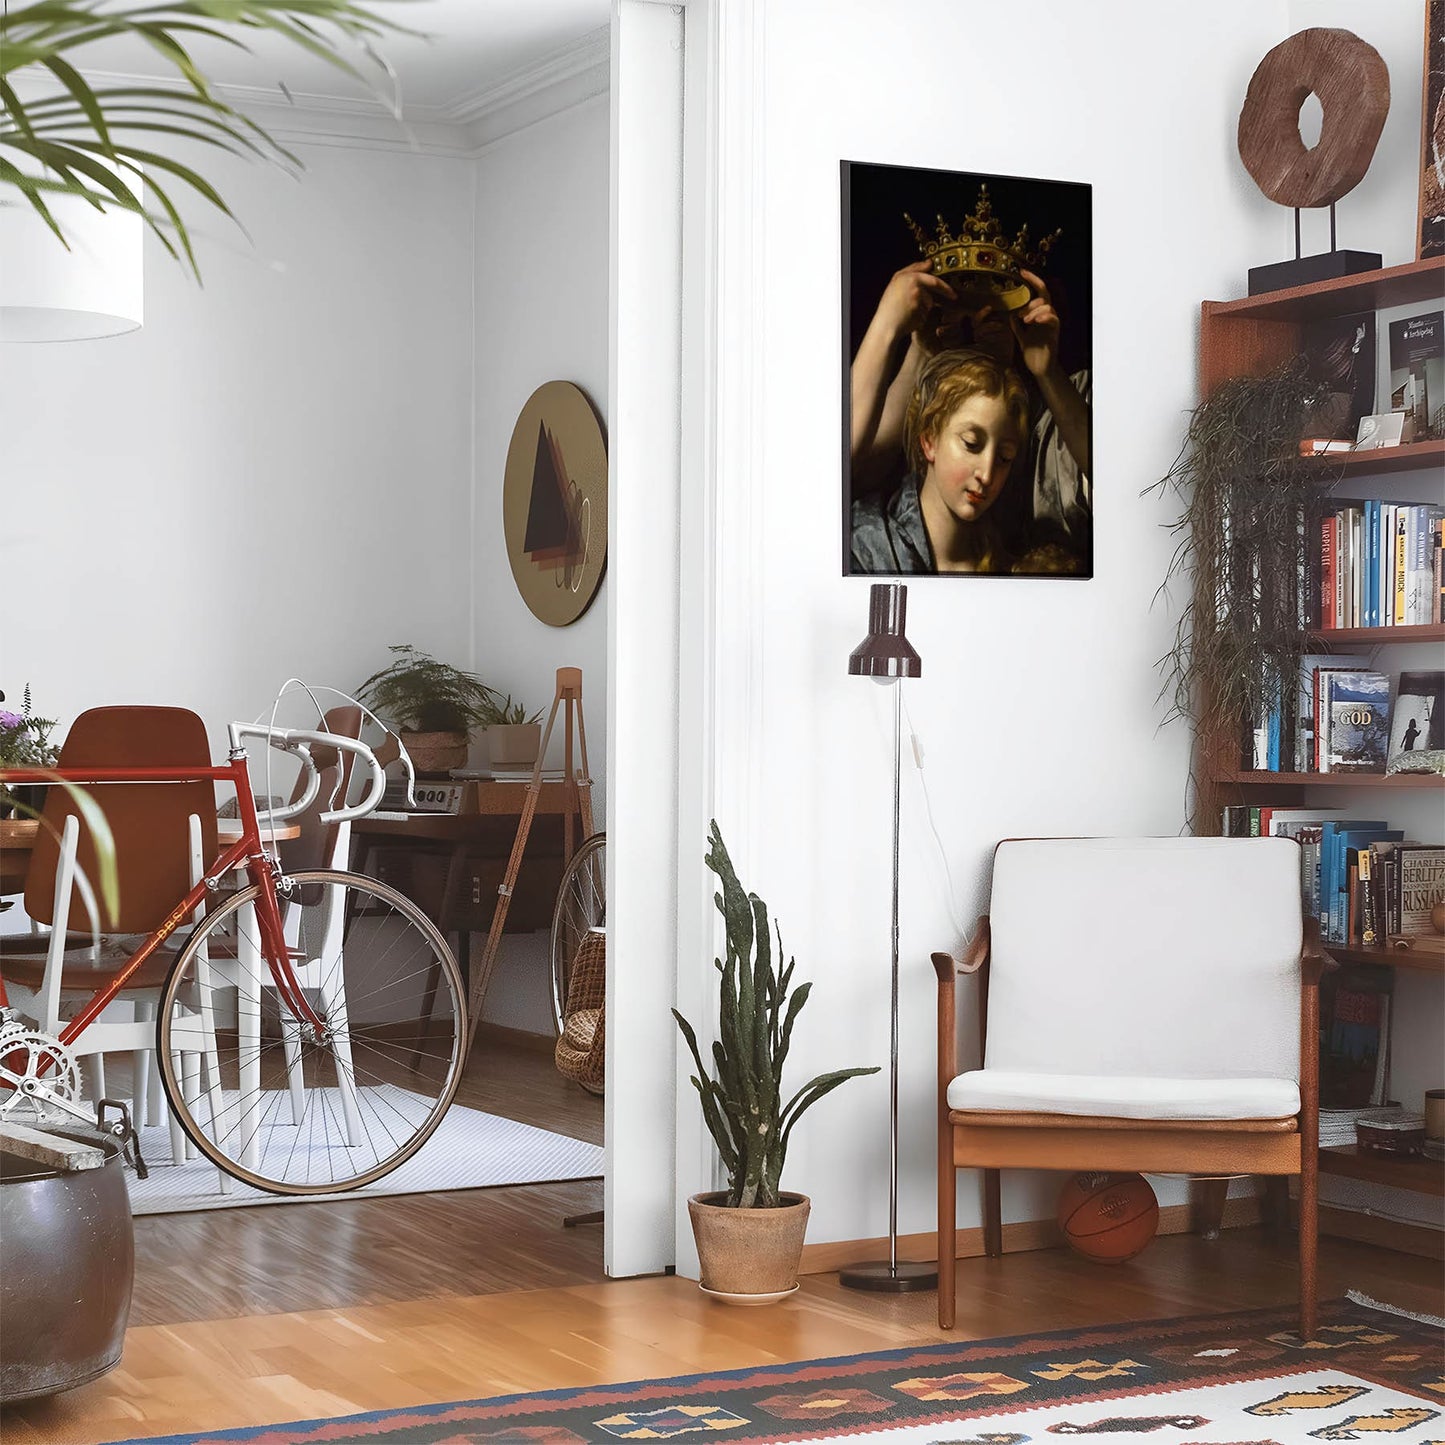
249	1317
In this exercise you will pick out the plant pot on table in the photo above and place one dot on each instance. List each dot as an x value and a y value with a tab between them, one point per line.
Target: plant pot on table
513	745
434	755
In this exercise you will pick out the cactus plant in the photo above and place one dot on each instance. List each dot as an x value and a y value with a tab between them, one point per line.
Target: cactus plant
742	1104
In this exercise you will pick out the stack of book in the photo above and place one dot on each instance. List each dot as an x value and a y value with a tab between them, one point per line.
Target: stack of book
1363	880
1378	565
1347	718
1337	1126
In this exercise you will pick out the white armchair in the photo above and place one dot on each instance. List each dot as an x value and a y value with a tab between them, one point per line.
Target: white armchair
1144	1004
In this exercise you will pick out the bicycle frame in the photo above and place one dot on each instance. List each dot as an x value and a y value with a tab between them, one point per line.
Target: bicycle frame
248	850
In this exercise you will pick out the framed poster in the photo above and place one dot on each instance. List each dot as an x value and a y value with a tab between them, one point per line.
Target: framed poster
967	339
1432	134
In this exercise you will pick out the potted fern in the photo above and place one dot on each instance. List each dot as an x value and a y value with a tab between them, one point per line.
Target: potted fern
434	704
750	1236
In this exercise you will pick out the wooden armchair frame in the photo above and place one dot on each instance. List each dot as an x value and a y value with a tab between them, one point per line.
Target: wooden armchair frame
994	1140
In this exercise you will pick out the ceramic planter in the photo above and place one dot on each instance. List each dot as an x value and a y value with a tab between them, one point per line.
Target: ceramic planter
748	1256
513	745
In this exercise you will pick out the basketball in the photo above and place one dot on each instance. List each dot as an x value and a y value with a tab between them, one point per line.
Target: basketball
1108	1217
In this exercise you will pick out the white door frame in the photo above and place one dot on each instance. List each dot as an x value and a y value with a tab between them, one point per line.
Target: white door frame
684	415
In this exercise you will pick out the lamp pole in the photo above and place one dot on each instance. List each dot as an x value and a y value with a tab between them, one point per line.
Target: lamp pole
886	656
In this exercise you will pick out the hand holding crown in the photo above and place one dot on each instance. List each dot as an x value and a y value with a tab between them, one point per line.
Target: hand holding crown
1036	328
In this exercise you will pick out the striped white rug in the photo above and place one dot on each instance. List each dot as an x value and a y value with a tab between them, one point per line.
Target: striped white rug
470	1150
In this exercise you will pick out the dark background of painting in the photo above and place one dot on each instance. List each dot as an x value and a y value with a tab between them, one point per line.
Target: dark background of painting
877	241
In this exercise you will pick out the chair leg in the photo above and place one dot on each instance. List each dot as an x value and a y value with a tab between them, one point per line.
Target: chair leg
947	1223
992	1214
1276	1205
1207	1196
1308	1244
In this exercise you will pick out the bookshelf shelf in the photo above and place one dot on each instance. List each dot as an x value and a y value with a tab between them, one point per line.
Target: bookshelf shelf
1415	1172
1409	457
1421	962
1244	778
1379	636
1364	291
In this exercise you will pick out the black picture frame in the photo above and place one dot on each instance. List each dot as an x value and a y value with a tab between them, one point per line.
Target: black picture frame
1035	525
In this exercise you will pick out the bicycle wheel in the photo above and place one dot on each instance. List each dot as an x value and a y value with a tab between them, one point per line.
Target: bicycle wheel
287	1108
581	904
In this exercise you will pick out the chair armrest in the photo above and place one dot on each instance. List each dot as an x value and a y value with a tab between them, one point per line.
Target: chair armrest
974	960
1312	959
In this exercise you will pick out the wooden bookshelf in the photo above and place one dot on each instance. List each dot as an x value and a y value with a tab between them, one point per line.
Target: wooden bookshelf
1401	1171
1252	336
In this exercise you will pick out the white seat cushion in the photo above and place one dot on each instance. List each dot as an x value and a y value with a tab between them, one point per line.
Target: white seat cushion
1119	1097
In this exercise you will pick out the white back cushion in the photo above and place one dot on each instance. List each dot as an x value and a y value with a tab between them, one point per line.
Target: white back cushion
1165	957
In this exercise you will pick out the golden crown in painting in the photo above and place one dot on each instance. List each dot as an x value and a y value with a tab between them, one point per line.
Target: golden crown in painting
979	263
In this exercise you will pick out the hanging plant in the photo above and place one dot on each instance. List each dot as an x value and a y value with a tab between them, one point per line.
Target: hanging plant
1243	543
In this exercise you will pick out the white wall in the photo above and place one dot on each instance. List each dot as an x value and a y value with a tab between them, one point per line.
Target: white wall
541	282
1037	708
303	420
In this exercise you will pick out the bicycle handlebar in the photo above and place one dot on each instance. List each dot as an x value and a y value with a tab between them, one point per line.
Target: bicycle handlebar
299	741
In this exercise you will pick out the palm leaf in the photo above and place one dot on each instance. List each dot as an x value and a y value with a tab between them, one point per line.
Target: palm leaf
65	134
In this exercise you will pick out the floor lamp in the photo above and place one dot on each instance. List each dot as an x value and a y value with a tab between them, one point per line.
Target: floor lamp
886	656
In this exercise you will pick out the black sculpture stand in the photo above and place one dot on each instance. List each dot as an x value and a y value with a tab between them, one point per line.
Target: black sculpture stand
1305	270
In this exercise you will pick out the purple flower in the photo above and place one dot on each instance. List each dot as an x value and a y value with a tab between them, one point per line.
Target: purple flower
11	719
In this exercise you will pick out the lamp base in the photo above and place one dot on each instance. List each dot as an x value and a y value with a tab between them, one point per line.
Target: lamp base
882	1278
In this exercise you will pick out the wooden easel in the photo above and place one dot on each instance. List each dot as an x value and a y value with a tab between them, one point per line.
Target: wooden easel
578	785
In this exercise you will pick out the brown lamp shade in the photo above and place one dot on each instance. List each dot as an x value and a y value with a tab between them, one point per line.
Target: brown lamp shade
885	653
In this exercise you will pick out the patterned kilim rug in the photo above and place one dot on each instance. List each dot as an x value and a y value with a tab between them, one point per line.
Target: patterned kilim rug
1237	1379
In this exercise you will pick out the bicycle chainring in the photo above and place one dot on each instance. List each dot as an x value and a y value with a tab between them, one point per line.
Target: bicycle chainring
28	1054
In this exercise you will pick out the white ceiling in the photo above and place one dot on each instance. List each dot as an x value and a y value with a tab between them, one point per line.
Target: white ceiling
470	47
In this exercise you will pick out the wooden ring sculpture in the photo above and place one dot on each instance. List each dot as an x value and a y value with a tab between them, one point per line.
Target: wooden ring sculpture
1353	86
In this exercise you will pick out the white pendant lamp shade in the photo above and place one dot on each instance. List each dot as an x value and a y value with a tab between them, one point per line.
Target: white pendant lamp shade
48	293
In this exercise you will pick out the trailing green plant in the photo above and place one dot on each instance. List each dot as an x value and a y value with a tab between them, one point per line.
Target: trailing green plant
742	1105
1242	544
96	142
417	692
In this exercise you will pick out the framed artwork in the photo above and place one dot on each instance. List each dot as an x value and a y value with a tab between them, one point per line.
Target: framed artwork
554	503
967	352
1432	134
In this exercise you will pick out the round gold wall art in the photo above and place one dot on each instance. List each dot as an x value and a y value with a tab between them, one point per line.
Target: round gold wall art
554	503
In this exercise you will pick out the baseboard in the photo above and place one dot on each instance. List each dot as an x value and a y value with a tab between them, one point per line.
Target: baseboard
1022	1235
1387	1233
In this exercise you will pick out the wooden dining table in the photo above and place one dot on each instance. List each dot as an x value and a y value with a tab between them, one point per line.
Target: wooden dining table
18	835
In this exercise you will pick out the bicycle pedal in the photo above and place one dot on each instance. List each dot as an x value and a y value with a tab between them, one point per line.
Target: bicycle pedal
125	1131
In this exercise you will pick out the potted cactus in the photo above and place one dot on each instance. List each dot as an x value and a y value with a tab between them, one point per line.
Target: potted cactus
750	1236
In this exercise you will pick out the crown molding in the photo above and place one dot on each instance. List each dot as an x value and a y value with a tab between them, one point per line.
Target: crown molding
567	77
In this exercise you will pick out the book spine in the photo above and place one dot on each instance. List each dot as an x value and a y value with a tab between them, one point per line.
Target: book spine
1372	564
1398	604
1437	614
1385	601
1369	933
1327	574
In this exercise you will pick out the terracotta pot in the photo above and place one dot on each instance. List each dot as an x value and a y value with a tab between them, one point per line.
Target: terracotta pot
434	755
748	1252
513	745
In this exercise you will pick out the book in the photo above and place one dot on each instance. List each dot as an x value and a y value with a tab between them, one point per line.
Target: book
1420	885
1339	352
1356	713
1417	369
1354	1038
1417	720
1305	760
